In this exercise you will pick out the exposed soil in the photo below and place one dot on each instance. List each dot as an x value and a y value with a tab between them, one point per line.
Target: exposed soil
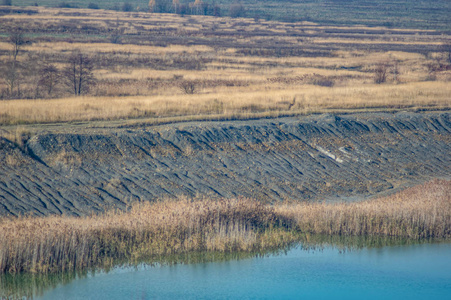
79	170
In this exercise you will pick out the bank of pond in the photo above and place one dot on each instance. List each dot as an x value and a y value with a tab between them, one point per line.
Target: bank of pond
183	229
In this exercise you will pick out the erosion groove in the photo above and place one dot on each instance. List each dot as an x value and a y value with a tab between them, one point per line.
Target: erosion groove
80	171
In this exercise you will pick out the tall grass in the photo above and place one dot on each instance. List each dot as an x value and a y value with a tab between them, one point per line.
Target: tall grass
59	243
223	104
149	230
419	212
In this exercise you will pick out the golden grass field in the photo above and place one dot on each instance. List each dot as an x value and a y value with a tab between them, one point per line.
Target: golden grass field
237	68
149	230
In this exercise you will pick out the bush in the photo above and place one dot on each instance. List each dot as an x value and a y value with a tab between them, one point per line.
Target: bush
237	10
380	74
66	5
127	6
93	6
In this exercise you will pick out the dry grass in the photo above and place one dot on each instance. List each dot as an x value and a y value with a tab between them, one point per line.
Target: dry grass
247	69
420	212
243	101
59	243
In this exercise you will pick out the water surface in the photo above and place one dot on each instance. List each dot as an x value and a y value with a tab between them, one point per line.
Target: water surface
393	272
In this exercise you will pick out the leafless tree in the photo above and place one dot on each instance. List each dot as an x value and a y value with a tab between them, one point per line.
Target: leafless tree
237	10
188	86
78	73
11	71
395	71
48	77
17	40
380	73
446	48
160	6
116	35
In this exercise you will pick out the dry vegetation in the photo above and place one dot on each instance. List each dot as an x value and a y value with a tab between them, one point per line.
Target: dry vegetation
157	66
147	230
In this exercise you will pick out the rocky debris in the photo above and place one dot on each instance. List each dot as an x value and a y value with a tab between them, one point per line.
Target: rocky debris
314	158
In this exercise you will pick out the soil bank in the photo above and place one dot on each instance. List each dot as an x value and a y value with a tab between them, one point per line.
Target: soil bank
78	171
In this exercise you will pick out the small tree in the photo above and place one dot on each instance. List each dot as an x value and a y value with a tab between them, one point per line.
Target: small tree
188	87
446	49
216	11
11	71
395	71
93	5
78	73
48	77
126	6
115	37
160	6
380	73
237	10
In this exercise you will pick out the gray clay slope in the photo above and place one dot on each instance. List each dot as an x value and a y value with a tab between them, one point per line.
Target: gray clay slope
309	158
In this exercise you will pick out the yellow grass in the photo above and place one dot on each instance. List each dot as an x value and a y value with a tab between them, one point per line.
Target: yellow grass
61	243
230	80
227	102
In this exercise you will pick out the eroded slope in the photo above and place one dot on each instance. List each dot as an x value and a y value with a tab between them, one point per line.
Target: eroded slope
311	158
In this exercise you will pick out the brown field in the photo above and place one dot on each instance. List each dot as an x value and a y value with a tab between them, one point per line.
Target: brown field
61	243
165	67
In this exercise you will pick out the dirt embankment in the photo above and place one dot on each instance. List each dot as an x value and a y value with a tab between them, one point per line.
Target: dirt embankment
312	158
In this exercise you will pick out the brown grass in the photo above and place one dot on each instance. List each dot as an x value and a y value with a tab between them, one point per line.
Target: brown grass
59	243
249	69
420	212
223	104
63	243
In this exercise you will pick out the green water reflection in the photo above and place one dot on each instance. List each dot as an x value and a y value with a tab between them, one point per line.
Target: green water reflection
29	286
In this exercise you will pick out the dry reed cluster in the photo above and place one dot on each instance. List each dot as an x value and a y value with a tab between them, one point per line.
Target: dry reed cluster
419	212
149	230
59	243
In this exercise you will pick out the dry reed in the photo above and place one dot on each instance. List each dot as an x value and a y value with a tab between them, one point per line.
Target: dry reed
419	212
149	230
59	243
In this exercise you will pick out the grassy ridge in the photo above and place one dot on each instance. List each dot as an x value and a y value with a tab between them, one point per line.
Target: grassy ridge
59	243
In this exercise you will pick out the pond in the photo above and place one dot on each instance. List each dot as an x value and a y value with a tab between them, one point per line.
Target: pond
415	271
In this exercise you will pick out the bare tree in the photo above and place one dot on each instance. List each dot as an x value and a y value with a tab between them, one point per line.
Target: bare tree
188	86
380	73
17	40
78	73
237	10
446	48
11	72
116	35
48	77
160	6
395	71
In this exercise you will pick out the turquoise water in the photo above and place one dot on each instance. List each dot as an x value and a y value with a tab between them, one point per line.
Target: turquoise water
394	272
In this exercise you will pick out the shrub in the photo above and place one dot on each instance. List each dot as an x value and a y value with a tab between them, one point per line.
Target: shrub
93	6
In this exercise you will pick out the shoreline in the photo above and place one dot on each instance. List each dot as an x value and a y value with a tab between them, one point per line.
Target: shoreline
57	244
